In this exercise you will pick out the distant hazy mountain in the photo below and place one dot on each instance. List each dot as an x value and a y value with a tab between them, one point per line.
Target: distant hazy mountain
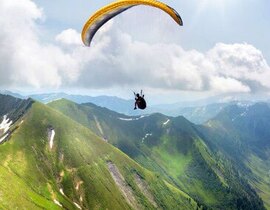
16	95
174	148
243	134
197	112
110	102
249	124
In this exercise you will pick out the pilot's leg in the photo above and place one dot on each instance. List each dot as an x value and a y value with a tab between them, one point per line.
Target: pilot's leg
135	105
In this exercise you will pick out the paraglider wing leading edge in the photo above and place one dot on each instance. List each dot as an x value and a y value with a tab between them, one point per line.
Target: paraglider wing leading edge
103	15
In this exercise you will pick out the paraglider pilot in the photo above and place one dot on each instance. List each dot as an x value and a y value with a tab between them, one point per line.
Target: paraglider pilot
139	101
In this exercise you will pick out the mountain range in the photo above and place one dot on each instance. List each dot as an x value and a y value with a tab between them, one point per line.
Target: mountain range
199	111
83	156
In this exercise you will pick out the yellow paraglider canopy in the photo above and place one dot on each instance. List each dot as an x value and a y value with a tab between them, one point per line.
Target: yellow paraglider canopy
106	13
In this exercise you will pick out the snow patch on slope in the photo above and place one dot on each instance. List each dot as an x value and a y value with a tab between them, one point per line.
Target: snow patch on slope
51	137
77	205
165	123
3	138
243	104
52	100
146	136
78	185
131	119
5	124
62	191
57	203
4	128
243	114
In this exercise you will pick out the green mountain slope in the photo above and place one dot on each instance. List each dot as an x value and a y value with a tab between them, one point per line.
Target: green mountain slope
53	162
173	148
243	134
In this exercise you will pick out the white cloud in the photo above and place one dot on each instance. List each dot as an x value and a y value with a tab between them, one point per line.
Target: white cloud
242	62
25	59
224	68
115	59
69	37
225	85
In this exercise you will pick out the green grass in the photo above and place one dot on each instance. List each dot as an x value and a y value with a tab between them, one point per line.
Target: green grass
175	152
32	174
166	153
16	193
260	168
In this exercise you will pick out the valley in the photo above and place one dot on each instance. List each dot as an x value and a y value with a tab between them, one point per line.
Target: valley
82	156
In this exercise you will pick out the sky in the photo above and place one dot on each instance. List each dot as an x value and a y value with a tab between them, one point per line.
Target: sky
223	48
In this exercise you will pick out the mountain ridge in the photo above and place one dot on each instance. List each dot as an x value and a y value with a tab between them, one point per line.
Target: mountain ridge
156	142
73	168
246	142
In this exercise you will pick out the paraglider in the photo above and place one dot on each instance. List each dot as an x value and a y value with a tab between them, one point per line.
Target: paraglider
103	15
139	101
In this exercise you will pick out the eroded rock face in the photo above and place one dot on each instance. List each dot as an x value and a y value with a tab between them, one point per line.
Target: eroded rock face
125	189
143	186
